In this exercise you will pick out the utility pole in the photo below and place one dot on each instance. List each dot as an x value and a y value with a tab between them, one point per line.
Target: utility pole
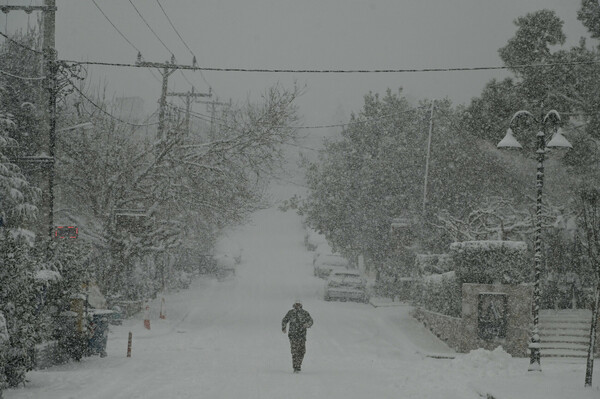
189	97
167	69
427	157
166	72
212	105
50	68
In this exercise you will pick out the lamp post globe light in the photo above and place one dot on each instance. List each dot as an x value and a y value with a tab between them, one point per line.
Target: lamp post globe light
557	141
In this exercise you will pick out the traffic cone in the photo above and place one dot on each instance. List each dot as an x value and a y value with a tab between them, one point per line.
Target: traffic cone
147	318
163	310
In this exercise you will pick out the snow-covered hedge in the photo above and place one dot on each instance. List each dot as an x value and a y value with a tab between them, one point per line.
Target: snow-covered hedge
490	262
440	293
433	263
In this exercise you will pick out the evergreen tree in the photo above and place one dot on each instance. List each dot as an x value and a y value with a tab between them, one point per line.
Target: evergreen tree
18	304
17	196
376	171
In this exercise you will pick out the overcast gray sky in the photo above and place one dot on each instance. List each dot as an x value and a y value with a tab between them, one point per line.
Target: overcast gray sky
313	34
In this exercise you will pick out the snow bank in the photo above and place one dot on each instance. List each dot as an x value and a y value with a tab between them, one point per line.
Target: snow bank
484	363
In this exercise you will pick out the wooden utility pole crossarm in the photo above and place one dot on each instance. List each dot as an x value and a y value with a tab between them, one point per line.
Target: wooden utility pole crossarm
189	97
167	69
27	9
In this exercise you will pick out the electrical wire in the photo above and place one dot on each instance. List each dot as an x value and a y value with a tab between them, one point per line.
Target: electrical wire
185	78
117	29
149	27
22	77
342	71
223	122
183	41
175	29
123	36
20	44
104	111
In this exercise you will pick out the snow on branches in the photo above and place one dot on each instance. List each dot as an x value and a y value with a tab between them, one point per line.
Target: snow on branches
17	196
497	219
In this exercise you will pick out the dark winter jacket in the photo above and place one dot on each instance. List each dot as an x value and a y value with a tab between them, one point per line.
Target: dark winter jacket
299	320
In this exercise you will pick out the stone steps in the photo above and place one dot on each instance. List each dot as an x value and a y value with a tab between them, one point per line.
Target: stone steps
564	333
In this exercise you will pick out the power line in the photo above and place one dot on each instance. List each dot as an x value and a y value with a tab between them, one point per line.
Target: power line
149	27
344	71
22	77
175	29
103	110
123	36
20	44
185	78
223	122
117	29
183	41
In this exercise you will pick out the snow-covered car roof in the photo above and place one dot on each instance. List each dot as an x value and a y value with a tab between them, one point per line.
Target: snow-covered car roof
346	277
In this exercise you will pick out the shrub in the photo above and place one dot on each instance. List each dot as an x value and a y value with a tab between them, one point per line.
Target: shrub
490	262
433	263
439	293
17	303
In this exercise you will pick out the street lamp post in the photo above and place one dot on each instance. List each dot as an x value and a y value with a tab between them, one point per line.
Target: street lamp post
558	140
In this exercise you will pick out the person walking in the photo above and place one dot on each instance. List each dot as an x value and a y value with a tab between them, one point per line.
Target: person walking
299	320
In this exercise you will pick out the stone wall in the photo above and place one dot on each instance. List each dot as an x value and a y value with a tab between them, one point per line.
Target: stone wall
518	318
464	334
447	328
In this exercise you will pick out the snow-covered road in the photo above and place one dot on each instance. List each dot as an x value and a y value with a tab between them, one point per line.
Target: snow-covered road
222	339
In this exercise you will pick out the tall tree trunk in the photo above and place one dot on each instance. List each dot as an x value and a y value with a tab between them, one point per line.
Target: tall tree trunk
589	370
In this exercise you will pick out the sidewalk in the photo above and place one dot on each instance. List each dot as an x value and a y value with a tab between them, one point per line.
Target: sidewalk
378	302
558	379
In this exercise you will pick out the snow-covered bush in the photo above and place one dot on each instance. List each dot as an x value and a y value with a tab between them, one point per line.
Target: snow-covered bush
433	263
4	345
489	262
17	196
17	303
439	293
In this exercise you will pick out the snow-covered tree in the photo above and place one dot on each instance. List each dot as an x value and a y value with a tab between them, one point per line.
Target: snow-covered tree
546	76
187	189
589	202
17	303
376	171
4	347
17	196
22	94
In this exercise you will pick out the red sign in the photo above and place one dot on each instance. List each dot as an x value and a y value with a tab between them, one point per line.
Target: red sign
66	232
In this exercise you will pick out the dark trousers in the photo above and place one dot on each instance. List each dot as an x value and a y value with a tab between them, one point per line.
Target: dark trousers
298	346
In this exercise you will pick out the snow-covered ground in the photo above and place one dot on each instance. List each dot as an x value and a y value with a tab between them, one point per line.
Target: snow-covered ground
222	339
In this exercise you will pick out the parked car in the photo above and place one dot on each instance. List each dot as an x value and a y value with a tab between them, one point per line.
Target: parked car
346	285
324	264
